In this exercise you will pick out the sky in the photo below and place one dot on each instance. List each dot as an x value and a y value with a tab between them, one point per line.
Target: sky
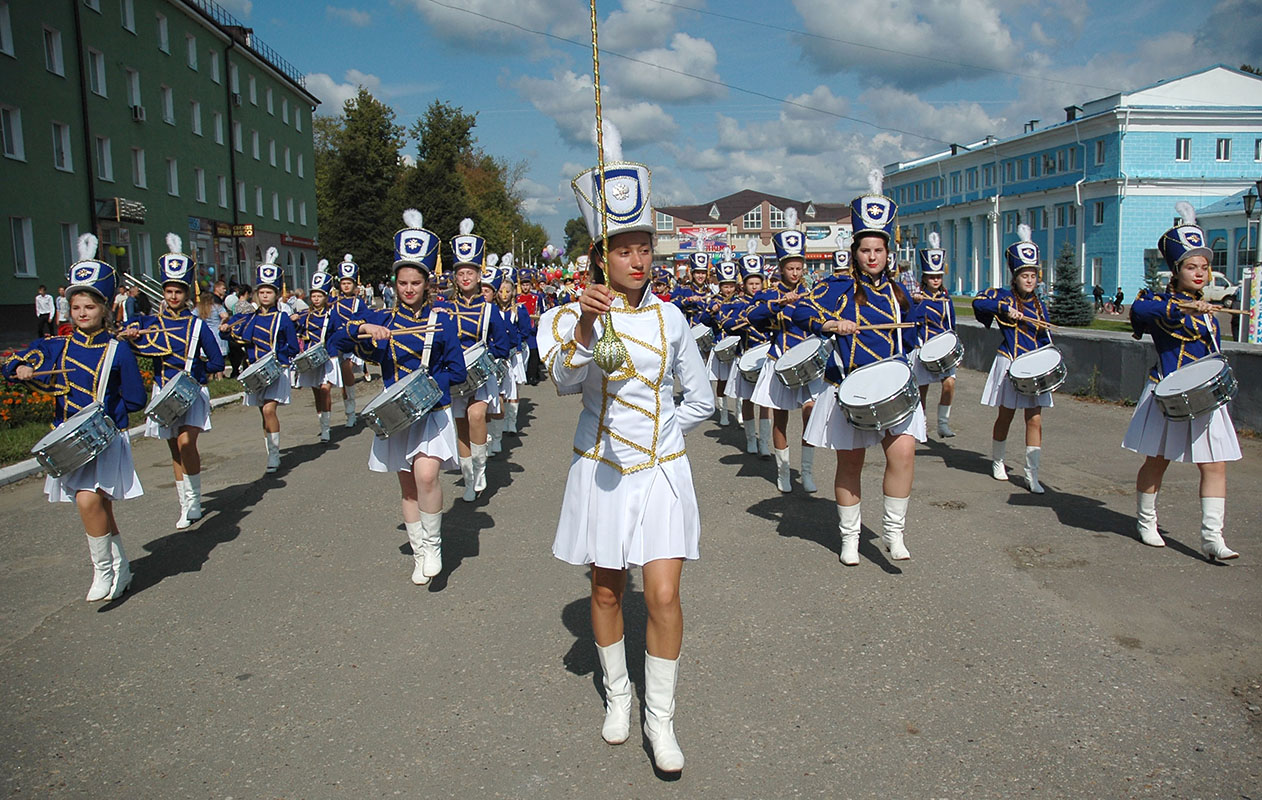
799	98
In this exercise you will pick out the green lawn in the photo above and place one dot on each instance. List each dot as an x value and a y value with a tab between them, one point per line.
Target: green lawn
964	309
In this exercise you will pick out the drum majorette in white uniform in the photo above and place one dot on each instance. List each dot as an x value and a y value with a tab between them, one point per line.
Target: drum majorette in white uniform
316	327
870	360
348	305
719	367
95	383
267	333
416	336
937	314
1013	309
1189	344
180	344
629	498
734	320
772	311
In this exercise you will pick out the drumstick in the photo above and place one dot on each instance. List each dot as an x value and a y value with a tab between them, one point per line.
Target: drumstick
1217	310
394	331
1040	323
887	326
46	373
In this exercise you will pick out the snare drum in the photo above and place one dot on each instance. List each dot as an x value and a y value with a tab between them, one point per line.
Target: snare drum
1038	371
751	361
76	441
727	348
1196	390
942	353
261	374
503	370
480	367
176	397
878	396
804	362
403	403
314	357
703	336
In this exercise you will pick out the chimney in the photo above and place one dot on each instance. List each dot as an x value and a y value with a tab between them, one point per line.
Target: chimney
1029	126
1072	112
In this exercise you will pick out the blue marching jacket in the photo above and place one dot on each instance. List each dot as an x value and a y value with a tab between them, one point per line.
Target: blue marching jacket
168	342
1180	337
400	356
1018	337
836	299
83	356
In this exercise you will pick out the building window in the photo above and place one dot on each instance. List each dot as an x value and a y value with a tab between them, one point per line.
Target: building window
271	152
287	162
164	41
302	213
254	91
254	143
138	178
1222	152
972	179
61	147
1073	158
195	109
1060	160
216	120
1257	149
1182	149
753	220
236	137
775	217
1099	152
173	177
955	183
300	165
190	43
298	120
104	159
223	192
1073	215
1009	172
988	175
1097	270
268	98
53	60
6	30
258	200
241	195
1219	259
69	242
916	187
144	252
1009	223
96	72
289	209
284	110
168	105
214	65
1245	255
199	184
1034	166
127	9
11	132
1061	216
276	206
23	247
1099	213
234	78
1032	215
133	87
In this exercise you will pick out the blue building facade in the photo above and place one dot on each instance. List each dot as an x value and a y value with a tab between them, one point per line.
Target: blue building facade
1104	181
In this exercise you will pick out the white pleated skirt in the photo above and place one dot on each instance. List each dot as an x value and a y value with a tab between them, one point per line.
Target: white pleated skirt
618	521
433	435
770	391
719	370
112	473
737	387
489	393
279	391
998	391
829	427
330	373
197	416
518	362
1197	441
923	376
508	390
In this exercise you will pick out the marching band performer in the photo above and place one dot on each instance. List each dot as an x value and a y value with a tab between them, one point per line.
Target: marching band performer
1184	330
415	335
348	305
692	295
518	319
90	366
316	326
847	309
1014	308
179	341
718	370
734	318
492	283
772	311
266	330
938	316
478	323
629	498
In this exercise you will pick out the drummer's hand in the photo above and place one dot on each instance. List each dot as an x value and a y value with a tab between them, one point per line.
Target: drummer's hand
1201	306
131	334
224	328
24	372
791	297
1015	314
377	332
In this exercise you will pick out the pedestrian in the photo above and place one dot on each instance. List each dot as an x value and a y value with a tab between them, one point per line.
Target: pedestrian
1184	330
629	498
1118	307
63	312
1098	293
241	306
142	305
298	301
316	327
183	347
120	304
209	309
1023	321
387	296
45	312
98	369
937	318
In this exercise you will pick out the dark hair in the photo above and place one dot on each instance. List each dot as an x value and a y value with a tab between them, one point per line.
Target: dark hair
861	294
924	280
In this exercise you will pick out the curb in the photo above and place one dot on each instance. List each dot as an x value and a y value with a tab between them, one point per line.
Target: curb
25	469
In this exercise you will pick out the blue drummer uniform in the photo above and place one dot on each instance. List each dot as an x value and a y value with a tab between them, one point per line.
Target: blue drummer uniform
265	331
168	341
400	356
1018	337
835	299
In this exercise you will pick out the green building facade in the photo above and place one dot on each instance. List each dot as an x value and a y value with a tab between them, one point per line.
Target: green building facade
135	118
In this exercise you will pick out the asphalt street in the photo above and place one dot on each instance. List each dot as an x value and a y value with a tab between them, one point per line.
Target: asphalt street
1031	648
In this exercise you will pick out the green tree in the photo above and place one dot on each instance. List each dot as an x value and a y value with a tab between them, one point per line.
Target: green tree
577	240
436	186
360	168
1154	263
1069	305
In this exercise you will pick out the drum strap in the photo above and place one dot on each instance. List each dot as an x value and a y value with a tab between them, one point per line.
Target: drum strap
107	364
1209	327
898	318
485	325
194	337
431	323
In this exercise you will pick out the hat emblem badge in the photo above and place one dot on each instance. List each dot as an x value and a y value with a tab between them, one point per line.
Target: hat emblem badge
1193	238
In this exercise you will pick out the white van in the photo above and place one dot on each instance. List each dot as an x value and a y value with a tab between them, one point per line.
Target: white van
1217	289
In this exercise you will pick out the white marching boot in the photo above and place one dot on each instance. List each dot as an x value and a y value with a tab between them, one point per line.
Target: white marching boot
808	469
849	522
102	568
466	469
122	567
1146	519
660	677
479	467
1212	544
751	437
193	490
764	437
893	524
348	405
272	441
495	435
613	669
416	538
1032	455
722	404
510	419
783	481
432	543
324	425
997	469
740	409
944	415
181	489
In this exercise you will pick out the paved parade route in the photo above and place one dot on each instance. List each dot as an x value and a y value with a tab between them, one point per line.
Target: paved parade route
1032	647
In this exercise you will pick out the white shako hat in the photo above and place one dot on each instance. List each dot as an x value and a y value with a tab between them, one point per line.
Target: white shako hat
626	192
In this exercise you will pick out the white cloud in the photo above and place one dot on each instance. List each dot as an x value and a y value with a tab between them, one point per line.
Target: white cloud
960	122
537	199
351	16
685	54
567	99
471	26
333	94
242	8
639	23
822	98
1233	33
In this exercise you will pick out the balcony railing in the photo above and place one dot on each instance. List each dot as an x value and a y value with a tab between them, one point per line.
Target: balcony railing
245	36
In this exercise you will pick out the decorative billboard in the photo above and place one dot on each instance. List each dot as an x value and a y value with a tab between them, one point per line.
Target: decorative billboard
703	238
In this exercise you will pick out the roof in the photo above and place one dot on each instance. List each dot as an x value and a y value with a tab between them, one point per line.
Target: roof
736	205
1233	204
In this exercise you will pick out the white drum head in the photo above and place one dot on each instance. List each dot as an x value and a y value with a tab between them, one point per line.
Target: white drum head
1035	363
728	342
1189	377
474	353
700	330
874	383
754	356
938	346
799	353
